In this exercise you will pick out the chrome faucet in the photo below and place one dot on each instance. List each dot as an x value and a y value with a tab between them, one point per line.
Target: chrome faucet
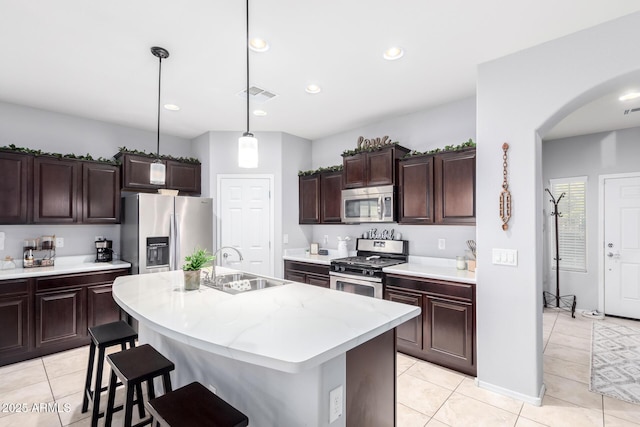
225	255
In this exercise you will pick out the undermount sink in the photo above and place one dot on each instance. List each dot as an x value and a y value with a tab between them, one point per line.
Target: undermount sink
235	283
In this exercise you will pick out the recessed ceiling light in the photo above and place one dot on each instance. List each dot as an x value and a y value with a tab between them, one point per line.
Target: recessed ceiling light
313	88
259	113
171	107
258	45
393	53
629	96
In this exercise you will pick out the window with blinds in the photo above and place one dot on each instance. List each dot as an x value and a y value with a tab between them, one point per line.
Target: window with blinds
572	223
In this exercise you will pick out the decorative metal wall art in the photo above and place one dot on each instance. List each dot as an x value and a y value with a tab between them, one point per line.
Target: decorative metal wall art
505	195
364	144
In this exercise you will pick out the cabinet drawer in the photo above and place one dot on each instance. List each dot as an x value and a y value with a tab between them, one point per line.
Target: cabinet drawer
307	267
462	291
14	287
80	279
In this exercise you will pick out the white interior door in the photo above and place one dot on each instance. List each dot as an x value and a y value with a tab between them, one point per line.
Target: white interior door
245	222
622	246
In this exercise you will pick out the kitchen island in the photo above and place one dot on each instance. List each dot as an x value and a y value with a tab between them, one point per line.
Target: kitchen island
275	353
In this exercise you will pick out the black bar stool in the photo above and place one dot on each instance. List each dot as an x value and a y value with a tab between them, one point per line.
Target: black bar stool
194	405
133	367
103	337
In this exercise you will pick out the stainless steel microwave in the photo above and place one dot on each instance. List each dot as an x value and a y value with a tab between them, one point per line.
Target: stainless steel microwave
368	204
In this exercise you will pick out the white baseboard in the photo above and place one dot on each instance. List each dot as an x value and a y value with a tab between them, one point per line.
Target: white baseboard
534	400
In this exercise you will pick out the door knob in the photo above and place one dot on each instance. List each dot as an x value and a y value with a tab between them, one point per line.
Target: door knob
612	255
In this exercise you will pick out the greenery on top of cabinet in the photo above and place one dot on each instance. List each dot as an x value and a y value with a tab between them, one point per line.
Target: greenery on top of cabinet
162	156
464	145
23	150
335	168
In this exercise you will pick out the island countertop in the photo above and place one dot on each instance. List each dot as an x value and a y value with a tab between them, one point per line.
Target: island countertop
289	328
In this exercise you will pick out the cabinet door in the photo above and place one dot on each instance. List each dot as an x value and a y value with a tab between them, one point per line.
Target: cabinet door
415	204
184	177
380	167
15	174
330	197
55	191
309	199
455	181
100	193
135	173
409	333
14	318
318	280
101	307
354	170
59	316
449	333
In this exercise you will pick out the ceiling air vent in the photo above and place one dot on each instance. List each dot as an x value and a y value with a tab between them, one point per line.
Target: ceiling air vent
257	94
633	110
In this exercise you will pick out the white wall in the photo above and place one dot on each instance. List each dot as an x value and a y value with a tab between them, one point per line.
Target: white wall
449	124
586	155
520	97
60	133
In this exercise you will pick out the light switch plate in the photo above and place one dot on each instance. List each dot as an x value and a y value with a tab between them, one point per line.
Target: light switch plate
505	257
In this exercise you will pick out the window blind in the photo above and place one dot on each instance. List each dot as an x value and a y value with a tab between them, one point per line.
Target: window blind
572	223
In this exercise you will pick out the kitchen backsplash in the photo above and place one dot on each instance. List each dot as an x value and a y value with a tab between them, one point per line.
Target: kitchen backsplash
78	239
423	241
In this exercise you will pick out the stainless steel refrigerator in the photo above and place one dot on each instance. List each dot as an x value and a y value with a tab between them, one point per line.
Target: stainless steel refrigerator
158	231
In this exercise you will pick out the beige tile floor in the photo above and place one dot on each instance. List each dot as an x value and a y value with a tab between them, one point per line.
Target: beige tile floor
50	389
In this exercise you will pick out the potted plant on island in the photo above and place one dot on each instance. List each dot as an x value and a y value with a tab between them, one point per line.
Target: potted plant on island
194	263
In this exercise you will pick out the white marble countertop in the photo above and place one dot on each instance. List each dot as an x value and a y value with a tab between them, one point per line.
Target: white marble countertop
433	268
289	328
63	265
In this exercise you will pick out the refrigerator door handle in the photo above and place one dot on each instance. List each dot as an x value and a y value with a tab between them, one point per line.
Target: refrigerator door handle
172	242
177	241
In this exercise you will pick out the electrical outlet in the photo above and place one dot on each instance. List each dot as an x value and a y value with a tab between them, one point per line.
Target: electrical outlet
441	244
326	239
1	240
335	404
285	239
59	242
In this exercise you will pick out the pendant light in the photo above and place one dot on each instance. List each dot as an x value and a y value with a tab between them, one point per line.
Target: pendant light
247	143
157	171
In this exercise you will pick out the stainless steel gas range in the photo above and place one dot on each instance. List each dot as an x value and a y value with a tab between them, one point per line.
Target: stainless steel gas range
362	274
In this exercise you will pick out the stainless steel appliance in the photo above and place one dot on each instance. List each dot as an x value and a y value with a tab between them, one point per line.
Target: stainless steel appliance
362	274
368	204
104	252
158	231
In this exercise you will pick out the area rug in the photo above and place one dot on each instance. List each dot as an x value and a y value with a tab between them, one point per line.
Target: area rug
615	361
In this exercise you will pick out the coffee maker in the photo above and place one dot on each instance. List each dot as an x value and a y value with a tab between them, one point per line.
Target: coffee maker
104	253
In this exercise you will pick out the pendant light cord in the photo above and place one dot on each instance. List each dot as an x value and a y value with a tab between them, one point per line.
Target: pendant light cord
159	86
247	46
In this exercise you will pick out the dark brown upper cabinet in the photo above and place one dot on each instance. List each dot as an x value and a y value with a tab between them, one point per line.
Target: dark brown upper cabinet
185	177
309	199
57	185
455	183
15	191
438	188
372	168
320	196
415	190
135	172
330	197
100	193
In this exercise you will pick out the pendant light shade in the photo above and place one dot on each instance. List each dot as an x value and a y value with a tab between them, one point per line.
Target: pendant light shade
247	151
247	143
157	170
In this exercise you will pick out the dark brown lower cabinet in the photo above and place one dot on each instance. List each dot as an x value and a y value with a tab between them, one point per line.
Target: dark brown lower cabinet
15	312
49	314
445	332
307	272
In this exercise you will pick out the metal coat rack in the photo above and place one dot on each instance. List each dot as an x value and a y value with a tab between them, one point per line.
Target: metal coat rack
564	302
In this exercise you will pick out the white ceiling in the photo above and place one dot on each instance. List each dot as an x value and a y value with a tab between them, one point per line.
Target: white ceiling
92	59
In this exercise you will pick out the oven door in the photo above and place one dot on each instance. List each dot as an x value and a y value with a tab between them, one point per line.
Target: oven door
369	286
